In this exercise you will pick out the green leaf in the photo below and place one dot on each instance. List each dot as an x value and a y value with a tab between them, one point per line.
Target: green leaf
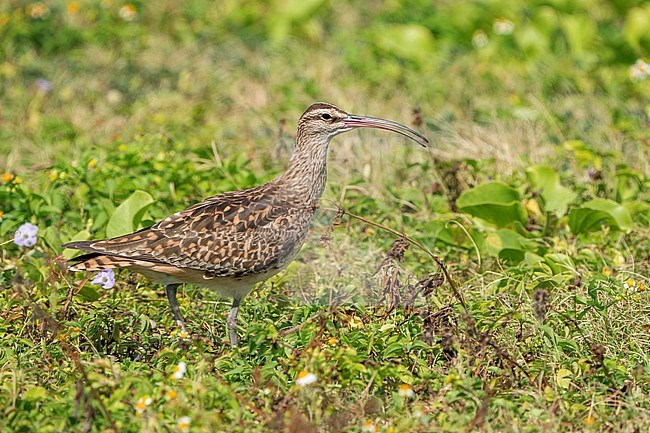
35	393
546	180
410	41
507	244
563	378
88	294
637	26
597	213
127	216
495	202
629	184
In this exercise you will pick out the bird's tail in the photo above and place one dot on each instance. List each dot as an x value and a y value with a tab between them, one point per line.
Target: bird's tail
97	262
94	261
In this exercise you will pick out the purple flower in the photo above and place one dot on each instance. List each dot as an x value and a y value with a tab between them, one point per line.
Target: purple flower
43	85
105	278
25	236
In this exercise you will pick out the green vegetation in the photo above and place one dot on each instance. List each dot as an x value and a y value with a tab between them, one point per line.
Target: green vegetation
534	195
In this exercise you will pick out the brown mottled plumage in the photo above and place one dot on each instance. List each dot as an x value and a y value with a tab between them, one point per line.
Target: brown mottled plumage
233	240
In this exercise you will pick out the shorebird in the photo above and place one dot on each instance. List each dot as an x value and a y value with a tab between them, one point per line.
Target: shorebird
231	241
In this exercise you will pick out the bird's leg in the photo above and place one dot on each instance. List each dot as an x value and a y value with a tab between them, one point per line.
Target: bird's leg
170	289
231	321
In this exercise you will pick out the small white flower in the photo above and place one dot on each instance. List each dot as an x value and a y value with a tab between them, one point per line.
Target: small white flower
128	12
479	39
184	423
38	10
406	391
142	403
503	26
370	427
639	70
629	284
305	378
179	371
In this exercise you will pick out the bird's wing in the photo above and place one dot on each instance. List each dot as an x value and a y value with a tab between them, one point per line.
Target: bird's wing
232	234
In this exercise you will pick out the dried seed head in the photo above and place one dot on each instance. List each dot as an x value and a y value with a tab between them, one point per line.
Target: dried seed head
397	250
431	282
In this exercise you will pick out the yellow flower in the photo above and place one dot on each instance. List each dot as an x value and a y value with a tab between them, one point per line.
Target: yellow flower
142	403
62	337
1	214
607	271
451	378
332	341
629	283
92	163
590	420
7	177
18	179
172	394
54	175
642	287
72	8
121	147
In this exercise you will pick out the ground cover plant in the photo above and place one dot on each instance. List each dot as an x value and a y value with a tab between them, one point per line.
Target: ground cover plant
496	281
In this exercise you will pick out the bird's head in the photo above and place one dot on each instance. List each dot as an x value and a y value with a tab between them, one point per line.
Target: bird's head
323	120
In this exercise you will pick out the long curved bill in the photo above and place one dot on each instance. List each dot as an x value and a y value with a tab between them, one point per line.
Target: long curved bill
354	121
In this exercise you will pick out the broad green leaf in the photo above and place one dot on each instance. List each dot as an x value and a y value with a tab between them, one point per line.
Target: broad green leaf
640	211
629	183
510	245
495	202
88	293
127	216
563	378
35	393
445	231
506	244
546	180
559	262
599	212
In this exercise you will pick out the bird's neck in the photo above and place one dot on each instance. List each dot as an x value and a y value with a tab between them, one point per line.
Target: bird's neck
307	172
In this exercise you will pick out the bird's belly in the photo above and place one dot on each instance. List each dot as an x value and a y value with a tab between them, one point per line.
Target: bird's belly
236	286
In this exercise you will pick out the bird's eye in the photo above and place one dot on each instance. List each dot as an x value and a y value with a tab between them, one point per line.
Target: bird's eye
325	116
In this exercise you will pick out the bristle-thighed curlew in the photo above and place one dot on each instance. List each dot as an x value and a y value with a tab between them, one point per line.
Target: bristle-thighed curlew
233	240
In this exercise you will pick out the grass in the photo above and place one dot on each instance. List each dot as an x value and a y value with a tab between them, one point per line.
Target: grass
534	196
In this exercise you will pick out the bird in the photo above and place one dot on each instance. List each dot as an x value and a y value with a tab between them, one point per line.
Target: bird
231	241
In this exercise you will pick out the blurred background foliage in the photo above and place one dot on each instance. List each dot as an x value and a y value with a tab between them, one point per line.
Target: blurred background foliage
533	192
